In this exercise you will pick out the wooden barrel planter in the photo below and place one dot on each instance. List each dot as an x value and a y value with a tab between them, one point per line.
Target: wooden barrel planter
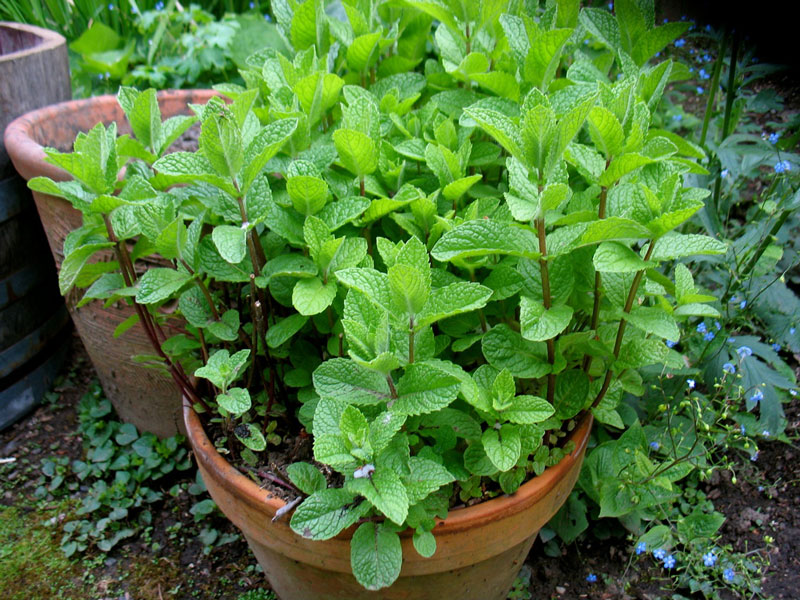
34	323
144	396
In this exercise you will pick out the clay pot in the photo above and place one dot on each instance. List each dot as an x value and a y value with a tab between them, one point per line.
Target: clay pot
143	396
479	549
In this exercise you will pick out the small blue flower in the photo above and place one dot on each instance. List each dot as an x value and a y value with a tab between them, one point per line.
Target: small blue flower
757	395
754	458
774	137
658	54
708	27
707	57
765	433
742	304
252	5
709	559
700	89
783	166
717	325
591	578
691	69
691	51
729	368
669	562
159	5
703	74
680	43
776	347
733	299
677	118
731	340
744	351
701	328
728	574
792	330
670	343
267	18
110	7
793	392
709	336
691	383
659	553
724	173
641	547
742	429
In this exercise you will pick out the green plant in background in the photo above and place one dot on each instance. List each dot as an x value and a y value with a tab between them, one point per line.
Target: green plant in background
436	237
121	471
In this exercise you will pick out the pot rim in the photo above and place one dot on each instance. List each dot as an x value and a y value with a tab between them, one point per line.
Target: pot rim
48	40
24	149
458	519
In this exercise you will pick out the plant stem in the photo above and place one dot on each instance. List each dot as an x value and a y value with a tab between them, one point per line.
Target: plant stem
601	213
411	340
712	93
622	324
204	290
547	300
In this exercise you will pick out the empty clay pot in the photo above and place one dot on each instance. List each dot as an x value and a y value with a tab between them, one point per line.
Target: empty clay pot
479	549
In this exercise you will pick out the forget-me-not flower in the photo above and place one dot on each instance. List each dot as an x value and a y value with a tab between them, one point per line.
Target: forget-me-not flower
754	458
670	343
709	335
774	137
659	553
654	445
677	118
765	433
792	330
742	429
782	166
680	43
591	578
724	173
709	559
701	328
728	574
717	325
691	383
641	547
744	351
700	89
742	304
729	368
776	347
757	395
669	562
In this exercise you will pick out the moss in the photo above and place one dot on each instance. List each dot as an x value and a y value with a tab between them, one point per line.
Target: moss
32	566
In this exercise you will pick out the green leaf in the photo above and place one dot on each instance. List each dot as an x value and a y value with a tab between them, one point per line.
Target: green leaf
346	380
385	491
363	52
221	143
500	127
250	435
425	477
544	57
506	349
424	543
502	446
572	387
159	283
222	368
483	237
309	194
538	323
236	401
606	131
455	189
190	167
679	245
602	24
423	388
263	147
452	299
622	165
654	320
613	257
231	242
655	40
528	410
410	288
637	353
614	228
357	151
306	477
283	330
375	555
325	513
74	263
312	296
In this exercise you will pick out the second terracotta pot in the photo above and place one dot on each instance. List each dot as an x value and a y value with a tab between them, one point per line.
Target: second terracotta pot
479	549
143	396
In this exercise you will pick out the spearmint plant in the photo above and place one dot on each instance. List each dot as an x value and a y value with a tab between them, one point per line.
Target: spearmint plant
437	237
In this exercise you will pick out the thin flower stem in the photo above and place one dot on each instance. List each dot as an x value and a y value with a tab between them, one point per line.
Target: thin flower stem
547	301
712	94
622	324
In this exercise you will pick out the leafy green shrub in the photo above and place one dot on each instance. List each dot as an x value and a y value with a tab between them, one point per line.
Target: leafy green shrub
436	247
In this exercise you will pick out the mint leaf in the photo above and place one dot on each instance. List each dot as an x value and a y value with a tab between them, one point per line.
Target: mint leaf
283	330
325	513
538	323
160	283
423	389
311	296
385	491
506	349
306	477
425	478
424	543
251	436
502	446
346	380
483	237
236	401
450	300
230	242
528	410
357	151
613	257
375	555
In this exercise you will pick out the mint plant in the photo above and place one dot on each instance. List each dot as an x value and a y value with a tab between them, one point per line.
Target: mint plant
438	263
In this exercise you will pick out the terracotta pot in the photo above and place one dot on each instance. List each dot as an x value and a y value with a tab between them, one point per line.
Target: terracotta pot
143	396
479	549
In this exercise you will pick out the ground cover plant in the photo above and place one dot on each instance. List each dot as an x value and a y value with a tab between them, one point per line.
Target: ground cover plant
435	174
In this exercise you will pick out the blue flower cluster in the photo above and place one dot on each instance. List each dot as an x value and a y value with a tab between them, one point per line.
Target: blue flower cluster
782	166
